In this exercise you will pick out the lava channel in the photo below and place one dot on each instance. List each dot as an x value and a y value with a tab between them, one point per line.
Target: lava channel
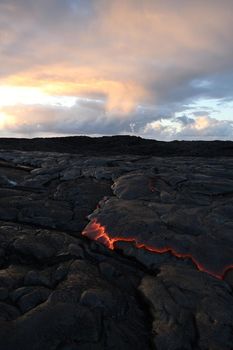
95	231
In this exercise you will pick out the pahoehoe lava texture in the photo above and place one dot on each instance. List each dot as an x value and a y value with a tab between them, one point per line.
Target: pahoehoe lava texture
115	252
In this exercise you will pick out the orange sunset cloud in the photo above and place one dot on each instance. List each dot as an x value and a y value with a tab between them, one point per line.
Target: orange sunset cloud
142	61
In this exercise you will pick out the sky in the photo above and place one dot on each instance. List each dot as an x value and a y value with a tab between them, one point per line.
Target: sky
160	69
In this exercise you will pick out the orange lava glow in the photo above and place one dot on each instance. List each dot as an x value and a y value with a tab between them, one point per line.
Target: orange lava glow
97	232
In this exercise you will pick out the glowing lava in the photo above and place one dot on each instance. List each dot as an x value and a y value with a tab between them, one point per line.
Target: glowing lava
97	232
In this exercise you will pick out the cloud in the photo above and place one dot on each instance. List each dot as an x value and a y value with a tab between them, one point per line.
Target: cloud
185	121
144	60
85	117
207	128
184	128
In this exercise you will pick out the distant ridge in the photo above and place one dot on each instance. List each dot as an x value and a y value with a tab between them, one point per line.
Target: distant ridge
112	145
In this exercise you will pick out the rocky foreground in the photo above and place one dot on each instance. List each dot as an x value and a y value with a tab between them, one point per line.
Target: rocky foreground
119	252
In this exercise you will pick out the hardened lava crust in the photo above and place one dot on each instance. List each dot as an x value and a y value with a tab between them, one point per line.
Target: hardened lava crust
115	252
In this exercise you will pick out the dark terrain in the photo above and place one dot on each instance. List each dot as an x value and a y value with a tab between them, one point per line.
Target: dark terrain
115	145
116	243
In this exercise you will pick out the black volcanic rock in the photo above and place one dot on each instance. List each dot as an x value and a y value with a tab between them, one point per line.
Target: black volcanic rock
180	208
187	309
116	145
115	252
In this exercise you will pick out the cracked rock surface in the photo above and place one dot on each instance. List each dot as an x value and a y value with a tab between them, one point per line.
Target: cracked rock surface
115	252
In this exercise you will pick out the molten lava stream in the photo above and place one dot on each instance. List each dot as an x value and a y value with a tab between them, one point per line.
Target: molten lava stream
97	232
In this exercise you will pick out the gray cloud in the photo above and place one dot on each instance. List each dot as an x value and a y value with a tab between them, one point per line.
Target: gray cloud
207	128
82	118
201	128
144	60
185	121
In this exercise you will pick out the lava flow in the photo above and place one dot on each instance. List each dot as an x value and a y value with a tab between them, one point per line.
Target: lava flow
97	232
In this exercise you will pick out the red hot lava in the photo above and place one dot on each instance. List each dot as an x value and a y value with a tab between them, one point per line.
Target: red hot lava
97	232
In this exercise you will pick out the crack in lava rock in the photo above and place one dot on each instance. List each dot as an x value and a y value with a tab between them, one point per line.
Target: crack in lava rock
97	232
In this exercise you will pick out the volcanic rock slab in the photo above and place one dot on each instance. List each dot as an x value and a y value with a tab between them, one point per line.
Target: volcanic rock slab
182	209
120	252
55	297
